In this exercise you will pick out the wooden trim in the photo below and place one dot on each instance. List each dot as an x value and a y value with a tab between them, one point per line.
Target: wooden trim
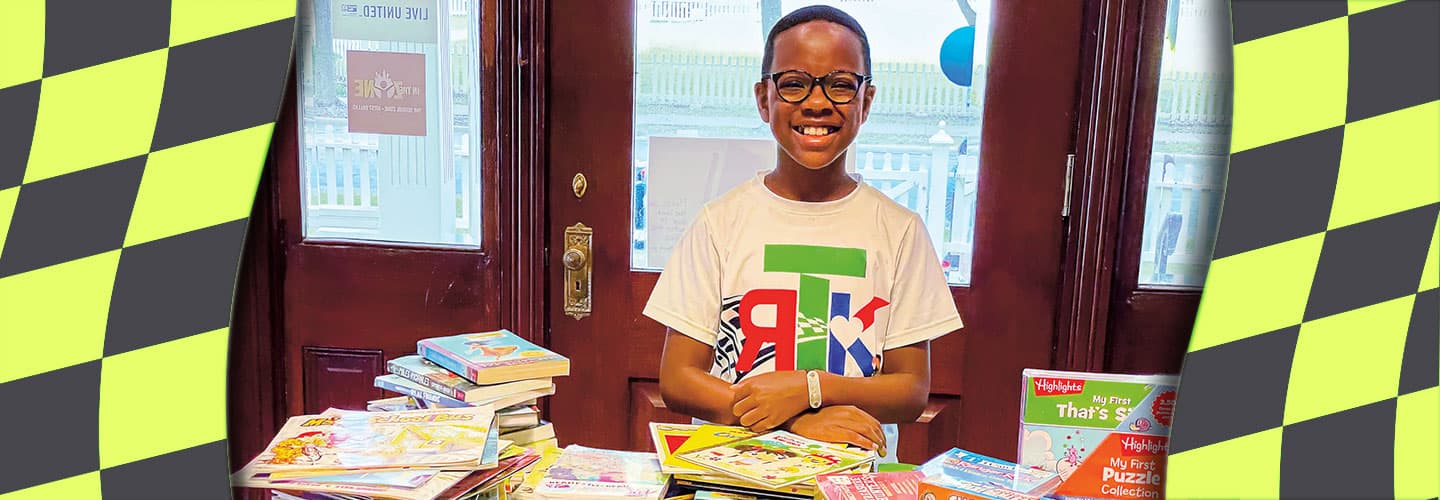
523	91
1102	148
1150	324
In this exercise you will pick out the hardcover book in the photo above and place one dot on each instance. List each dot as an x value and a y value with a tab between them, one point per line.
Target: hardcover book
489	358
869	486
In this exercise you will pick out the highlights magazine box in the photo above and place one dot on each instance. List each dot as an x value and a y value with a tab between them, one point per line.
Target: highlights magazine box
1105	434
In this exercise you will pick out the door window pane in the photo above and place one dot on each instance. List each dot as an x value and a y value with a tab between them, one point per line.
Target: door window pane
1191	144
387	92
696	123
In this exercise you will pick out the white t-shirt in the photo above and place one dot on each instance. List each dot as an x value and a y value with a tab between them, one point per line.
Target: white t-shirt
777	284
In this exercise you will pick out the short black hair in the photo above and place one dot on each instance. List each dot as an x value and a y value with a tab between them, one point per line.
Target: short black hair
814	13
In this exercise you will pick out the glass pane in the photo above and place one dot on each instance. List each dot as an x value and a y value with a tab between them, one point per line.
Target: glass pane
387	89
1191	144
696	62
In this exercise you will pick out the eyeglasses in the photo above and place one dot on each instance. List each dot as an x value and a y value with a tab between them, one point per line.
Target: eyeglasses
839	86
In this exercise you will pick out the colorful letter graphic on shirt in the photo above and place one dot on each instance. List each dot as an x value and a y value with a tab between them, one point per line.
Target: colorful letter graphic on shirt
809	327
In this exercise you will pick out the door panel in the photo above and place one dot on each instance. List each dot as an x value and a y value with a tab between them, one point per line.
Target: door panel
1009	307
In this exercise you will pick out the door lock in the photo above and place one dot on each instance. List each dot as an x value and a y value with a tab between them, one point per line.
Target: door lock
576	262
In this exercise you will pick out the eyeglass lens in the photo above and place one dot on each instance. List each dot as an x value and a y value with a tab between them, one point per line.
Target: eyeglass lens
795	86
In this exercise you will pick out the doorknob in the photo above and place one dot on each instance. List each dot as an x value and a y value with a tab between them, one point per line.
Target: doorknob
576	263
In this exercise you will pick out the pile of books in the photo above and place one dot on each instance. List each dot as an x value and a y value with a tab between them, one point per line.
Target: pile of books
713	461
497	369
426	454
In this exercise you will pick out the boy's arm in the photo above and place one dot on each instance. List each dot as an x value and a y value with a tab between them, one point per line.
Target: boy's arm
686	384
896	395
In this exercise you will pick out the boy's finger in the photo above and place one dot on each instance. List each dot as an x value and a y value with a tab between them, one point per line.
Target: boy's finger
743	406
857	439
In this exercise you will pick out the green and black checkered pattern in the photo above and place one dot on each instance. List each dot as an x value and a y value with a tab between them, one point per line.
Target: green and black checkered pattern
132	136
1312	370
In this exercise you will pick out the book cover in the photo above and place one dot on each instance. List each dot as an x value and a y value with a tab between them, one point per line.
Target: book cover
518	417
396	383
776	458
705	436
869	486
545	430
1105	435
493	357
961	489
536	472
582	471
432	376
342	441
667	439
960	465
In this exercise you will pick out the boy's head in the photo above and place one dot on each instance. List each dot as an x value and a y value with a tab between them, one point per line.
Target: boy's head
814	129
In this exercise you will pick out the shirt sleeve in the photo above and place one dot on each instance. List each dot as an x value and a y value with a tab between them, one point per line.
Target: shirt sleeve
922	308
687	296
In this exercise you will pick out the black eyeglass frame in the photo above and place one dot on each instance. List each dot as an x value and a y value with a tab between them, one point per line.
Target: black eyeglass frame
816	81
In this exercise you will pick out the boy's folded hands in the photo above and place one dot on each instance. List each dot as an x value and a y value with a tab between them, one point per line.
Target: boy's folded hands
781	400
766	401
841	424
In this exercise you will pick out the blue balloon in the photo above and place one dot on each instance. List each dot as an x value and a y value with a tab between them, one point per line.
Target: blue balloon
957	56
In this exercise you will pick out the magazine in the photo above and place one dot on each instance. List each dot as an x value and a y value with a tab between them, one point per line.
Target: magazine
345	441
777	458
869	486
668	438
588	472
705	436
960	465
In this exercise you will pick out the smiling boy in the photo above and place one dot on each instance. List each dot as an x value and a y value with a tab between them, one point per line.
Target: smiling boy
804	299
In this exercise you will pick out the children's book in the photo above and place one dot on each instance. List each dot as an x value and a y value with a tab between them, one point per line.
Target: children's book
723	495
342	441
776	458
582	472
440	380
544	431
869	486
397	403
667	439
959	465
518	417
306	488
705	436
962	489
536	472
1105	435
493	357
396	383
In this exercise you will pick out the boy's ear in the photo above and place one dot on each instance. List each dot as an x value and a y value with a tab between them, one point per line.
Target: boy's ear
762	101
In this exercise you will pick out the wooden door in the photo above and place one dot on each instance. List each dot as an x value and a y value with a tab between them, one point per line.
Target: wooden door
1009	306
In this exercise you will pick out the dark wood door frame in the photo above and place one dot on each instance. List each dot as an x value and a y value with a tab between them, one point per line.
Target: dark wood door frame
1108	321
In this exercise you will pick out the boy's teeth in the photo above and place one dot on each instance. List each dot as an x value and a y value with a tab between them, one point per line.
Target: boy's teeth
815	130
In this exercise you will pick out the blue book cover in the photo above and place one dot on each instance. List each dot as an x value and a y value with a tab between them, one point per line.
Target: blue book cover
396	383
493	357
960	465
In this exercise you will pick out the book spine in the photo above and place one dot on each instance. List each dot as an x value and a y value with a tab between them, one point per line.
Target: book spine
447	360
439	399
421	379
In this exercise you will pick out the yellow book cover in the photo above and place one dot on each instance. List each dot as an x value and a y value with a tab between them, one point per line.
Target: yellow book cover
704	437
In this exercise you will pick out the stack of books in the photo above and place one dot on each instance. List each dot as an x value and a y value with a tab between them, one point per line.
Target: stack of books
962	474
423	454
498	369
712	460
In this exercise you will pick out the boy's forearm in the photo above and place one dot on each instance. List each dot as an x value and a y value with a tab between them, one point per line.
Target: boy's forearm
890	397
696	393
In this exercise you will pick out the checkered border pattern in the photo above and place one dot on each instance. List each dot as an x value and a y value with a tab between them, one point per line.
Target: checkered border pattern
1312	370
132	136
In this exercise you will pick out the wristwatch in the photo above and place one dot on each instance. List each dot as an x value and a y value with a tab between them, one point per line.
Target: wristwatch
812	382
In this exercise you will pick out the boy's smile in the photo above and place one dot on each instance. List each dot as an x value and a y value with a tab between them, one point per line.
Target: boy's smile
815	131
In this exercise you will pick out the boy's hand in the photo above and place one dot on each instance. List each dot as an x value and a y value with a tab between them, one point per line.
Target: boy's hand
841	424
767	400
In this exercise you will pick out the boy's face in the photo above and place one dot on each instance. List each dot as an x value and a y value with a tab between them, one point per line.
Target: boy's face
817	48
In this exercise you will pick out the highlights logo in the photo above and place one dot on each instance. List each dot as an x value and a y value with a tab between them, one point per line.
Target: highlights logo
1058	386
1143	445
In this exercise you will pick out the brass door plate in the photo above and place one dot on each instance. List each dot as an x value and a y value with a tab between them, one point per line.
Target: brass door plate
575	261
